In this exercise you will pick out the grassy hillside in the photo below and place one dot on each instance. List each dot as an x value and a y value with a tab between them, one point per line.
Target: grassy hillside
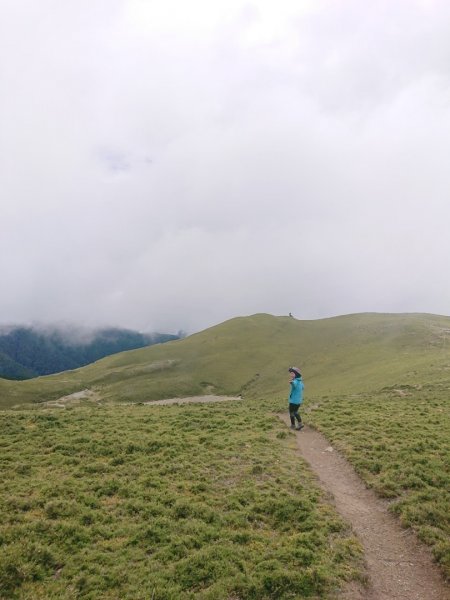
212	501
250	355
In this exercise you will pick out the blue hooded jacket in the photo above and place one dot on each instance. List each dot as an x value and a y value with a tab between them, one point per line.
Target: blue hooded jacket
297	387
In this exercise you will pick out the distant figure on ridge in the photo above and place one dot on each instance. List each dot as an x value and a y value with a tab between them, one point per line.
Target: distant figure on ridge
291	315
295	398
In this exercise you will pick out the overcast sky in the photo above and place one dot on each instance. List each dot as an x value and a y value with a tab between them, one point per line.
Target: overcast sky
168	165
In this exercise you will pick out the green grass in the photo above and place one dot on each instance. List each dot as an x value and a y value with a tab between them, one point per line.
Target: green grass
250	356
399	442
382	386
176	502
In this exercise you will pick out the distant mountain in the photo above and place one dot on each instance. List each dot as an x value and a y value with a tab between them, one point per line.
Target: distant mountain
26	352
250	356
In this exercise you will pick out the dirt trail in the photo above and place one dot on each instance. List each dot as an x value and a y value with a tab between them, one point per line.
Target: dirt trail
399	567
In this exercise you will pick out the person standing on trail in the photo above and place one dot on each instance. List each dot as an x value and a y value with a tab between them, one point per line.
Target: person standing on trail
296	398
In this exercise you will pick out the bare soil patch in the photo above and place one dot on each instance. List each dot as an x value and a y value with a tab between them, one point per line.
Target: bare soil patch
74	398
194	399
399	566
77	397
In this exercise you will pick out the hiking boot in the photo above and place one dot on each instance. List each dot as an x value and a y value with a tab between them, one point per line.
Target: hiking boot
299	426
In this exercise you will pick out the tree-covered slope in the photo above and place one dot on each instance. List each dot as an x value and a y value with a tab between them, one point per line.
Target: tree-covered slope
26	352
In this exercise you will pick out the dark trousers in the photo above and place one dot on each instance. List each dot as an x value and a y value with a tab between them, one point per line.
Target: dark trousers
294	414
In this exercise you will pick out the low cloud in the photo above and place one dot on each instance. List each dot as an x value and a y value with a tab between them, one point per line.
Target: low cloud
168	168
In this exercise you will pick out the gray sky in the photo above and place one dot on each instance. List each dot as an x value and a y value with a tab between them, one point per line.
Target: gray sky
168	165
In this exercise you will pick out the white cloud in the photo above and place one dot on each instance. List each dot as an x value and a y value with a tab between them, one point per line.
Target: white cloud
170	165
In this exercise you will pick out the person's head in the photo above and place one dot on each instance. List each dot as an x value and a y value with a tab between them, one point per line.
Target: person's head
294	372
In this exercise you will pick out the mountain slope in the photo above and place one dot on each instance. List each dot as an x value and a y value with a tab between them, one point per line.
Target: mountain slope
26	352
11	369
250	356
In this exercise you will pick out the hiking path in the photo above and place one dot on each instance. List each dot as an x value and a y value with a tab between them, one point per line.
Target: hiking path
399	566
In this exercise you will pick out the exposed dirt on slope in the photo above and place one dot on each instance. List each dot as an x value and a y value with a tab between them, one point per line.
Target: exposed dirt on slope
194	399
77	397
399	567
74	398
